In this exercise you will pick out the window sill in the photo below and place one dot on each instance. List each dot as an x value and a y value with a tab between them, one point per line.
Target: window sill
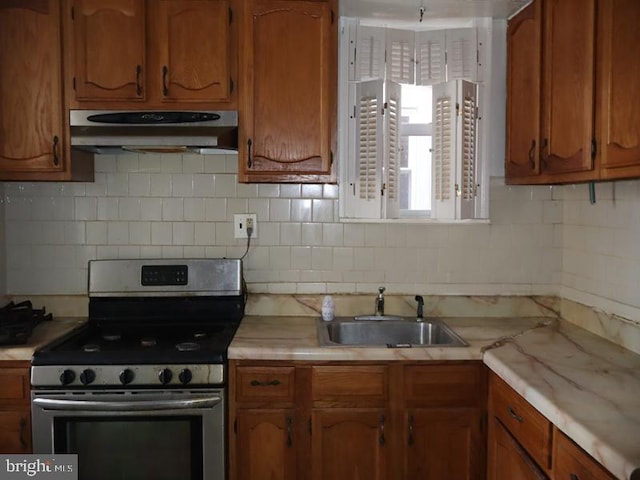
418	221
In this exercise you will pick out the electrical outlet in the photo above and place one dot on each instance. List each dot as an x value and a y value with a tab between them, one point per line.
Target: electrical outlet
242	221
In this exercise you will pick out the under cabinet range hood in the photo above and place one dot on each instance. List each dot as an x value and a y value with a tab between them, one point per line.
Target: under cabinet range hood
109	132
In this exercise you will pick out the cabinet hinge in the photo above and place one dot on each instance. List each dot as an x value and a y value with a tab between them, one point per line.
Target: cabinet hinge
594	148
331	157
230	85
73	13
230	15
74	83
333	16
235	426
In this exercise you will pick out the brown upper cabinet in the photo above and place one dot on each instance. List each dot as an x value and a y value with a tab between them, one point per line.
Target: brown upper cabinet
133	54
573	92
34	142
288	108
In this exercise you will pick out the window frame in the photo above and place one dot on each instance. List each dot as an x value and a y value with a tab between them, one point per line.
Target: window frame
347	69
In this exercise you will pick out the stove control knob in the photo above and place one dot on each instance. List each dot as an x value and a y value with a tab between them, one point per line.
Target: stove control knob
165	376
87	376
67	377
126	376
185	376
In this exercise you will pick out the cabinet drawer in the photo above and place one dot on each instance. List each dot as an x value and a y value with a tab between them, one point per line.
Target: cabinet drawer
273	384
526	424
444	385
358	385
571	462
15	385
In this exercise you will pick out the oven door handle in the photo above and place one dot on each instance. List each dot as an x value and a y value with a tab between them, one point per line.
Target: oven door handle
118	406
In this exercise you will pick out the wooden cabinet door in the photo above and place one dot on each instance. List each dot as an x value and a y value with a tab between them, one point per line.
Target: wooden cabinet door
442	443
265	445
524	57
349	444
108	41
288	98
15	431
191	50
618	100
31	133
568	88
573	463
507	460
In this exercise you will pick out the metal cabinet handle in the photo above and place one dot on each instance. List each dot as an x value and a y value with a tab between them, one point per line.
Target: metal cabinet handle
165	89
289	427
410	440
249	162
271	383
138	85
23	442
382	439
515	415
532	151
56	152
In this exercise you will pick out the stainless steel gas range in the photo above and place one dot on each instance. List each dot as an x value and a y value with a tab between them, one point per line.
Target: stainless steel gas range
139	392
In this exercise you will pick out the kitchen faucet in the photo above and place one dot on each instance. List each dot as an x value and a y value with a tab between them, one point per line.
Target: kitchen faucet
380	302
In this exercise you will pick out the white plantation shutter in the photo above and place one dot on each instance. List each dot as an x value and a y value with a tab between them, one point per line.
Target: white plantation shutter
462	54
444	151
400	56
454	158
370	53
392	149
364	198
430	57
468	138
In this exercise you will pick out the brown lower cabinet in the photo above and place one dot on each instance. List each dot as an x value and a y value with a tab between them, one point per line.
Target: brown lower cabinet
524	445
15	412
373	421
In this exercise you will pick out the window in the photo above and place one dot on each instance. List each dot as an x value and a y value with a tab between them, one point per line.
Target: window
410	146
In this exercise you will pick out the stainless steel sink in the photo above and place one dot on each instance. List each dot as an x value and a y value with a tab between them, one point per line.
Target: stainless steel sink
392	332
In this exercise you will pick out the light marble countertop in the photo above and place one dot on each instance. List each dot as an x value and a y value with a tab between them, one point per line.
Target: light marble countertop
588	387
42	334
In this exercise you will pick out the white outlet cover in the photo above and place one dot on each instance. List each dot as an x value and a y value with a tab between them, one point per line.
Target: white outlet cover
240	225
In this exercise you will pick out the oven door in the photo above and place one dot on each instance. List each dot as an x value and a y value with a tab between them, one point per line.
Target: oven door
134	435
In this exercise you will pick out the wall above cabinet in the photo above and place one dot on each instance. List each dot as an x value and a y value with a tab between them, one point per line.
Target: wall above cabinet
408	11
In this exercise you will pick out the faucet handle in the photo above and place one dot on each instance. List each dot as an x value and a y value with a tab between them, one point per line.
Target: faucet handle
420	301
381	290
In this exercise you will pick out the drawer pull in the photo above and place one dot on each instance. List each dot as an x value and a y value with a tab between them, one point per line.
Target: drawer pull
515	415
410	440
382	439
258	383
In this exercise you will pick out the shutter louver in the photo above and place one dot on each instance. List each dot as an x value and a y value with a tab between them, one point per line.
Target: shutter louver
444	150
431	58
400	56
370	53
367	144
468	152
461	54
368	134
392	149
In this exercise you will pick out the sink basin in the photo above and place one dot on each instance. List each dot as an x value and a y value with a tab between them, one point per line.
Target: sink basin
401	332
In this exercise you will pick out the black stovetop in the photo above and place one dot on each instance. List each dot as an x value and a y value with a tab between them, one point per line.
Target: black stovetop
140	344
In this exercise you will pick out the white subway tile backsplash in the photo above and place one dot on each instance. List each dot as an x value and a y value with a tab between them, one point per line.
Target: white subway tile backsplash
183	233
182	206
161	233
172	209
194	209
